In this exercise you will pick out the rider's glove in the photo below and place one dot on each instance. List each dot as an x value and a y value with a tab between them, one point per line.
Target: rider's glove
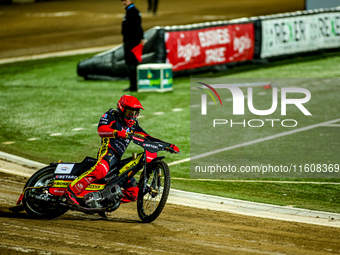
121	134
174	147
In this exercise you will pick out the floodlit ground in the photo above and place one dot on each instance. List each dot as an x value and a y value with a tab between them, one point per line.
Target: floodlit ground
178	230
50	26
64	25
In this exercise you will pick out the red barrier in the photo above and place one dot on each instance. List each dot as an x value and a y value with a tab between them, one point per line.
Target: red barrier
209	46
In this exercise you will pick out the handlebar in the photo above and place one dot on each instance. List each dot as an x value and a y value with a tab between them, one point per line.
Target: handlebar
171	150
131	135
142	139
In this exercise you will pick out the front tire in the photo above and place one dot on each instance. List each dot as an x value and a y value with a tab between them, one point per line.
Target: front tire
41	208
151	202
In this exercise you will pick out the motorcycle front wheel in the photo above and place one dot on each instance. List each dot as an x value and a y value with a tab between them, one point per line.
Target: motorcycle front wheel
152	197
38	207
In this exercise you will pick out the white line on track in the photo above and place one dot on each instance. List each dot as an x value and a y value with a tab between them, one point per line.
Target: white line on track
207	201
32	139
56	54
203	201
77	129
81	129
158	113
268	138
56	134
51	14
14	172
9	142
332	125
261	181
215	203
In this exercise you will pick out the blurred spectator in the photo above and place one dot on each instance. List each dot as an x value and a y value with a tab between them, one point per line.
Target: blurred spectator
152	6
133	35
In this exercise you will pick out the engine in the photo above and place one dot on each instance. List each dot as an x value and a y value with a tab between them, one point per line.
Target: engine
109	195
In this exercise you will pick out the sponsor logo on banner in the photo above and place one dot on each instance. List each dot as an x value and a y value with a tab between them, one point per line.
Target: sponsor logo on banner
210	46
292	35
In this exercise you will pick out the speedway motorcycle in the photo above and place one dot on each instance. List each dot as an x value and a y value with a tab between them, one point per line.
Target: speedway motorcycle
42	196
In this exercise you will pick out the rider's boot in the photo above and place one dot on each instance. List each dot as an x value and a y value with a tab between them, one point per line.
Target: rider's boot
130	195
76	188
71	197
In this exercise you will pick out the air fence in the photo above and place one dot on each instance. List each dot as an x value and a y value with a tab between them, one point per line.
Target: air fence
216	46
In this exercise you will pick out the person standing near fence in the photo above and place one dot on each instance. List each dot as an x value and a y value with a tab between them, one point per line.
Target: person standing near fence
133	35
152	6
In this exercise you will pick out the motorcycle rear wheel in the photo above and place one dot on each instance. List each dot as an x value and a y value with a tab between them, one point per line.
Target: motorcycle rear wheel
39	208
151	202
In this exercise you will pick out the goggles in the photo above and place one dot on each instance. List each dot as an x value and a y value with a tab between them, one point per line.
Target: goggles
131	114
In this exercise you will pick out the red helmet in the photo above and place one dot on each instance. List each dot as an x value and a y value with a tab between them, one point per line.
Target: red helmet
129	107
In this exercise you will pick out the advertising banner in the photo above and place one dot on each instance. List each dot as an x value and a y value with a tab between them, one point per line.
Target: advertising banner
298	34
209	46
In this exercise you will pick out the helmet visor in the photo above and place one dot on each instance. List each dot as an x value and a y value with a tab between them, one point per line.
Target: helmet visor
131	113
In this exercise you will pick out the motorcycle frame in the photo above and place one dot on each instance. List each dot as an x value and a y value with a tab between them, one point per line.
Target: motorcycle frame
127	174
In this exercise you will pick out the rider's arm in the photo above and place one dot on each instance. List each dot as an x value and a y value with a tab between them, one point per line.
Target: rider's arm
106	127
109	132
106	131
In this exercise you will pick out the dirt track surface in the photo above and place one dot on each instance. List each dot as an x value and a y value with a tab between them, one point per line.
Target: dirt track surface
65	25
178	230
50	26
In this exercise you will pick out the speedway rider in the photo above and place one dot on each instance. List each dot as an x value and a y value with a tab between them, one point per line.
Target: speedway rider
114	128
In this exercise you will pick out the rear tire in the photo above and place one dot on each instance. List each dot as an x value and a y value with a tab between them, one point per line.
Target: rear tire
151	202
40	208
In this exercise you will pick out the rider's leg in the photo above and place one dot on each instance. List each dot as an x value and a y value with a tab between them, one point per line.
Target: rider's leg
98	171
130	191
106	158
95	173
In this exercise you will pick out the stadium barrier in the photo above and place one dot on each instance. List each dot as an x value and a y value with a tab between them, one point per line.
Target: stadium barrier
111	64
215	46
300	32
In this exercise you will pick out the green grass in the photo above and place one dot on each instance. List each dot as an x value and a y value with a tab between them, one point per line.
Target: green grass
38	98
316	146
320	197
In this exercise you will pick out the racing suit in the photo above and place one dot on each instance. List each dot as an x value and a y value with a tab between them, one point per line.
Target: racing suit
109	154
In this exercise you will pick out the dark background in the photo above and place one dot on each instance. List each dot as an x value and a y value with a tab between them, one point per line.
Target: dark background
51	26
